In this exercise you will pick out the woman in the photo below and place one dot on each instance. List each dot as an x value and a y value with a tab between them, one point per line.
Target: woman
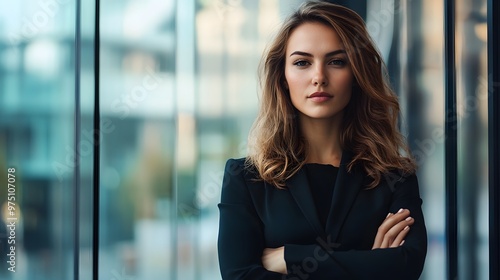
325	192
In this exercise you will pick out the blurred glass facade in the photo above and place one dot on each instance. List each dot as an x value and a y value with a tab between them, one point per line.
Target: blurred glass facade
178	92
472	109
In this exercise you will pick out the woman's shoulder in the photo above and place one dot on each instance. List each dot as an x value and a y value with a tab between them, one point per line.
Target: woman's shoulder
400	175
236	161
400	180
237	166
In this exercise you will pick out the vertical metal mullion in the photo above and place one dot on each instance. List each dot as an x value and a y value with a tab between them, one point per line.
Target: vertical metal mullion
451	141
77	123
97	142
494	136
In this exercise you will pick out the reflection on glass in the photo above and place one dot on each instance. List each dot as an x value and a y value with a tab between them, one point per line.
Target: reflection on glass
37	138
137	153
472	92
422	96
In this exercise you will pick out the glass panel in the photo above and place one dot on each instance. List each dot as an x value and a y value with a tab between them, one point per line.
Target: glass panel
472	92
37	104
422	99
137	96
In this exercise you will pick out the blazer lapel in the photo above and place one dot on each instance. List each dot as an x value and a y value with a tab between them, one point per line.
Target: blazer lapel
299	189
345	191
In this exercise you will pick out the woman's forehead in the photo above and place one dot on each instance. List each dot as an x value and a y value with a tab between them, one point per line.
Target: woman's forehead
314	38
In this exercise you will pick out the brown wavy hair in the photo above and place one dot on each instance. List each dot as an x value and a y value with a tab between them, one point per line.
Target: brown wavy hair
369	129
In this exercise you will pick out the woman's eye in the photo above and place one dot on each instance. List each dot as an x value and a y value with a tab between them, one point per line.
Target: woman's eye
301	63
338	62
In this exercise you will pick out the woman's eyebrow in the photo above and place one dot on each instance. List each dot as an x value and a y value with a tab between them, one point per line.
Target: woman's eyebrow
310	55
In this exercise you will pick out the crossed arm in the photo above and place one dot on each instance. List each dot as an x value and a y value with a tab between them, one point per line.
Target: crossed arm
390	234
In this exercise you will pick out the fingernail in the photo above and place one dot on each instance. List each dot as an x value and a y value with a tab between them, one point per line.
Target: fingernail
388	215
400	210
402	242
408	219
406	228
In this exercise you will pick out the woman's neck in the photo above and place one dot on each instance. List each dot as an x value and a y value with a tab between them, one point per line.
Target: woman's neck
323	139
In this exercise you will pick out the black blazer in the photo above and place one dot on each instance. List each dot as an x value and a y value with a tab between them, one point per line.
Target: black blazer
255	215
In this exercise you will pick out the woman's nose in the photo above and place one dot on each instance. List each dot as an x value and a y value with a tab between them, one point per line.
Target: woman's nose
319	77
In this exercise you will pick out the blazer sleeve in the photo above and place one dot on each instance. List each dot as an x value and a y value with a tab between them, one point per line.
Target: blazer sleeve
241	239
321	261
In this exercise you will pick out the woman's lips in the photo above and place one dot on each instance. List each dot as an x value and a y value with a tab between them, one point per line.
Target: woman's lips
320	97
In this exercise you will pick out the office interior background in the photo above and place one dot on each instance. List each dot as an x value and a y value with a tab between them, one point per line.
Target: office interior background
170	89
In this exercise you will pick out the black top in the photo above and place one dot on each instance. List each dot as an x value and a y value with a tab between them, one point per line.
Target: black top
321	179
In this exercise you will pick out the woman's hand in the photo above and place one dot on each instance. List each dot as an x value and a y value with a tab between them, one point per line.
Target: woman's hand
273	259
393	230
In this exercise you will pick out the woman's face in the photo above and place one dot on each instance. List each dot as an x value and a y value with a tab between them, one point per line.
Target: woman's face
317	72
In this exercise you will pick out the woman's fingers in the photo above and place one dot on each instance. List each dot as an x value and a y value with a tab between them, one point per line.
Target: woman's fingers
380	236
393	229
391	235
400	237
390	221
